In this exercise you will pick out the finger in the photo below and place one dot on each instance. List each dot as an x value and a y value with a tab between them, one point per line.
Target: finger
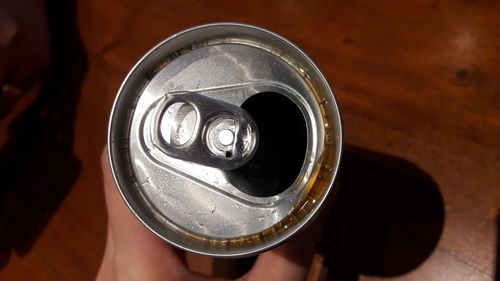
133	249
289	261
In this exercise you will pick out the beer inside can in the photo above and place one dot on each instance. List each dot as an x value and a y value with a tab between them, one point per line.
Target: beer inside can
234	185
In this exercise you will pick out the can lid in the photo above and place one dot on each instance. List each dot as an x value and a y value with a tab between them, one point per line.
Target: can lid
202	172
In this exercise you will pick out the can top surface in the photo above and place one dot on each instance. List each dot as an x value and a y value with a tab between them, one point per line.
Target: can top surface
211	207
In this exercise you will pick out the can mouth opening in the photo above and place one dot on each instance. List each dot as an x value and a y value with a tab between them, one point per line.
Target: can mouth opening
282	146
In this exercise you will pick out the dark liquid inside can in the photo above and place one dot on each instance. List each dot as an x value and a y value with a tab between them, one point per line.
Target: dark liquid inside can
276	163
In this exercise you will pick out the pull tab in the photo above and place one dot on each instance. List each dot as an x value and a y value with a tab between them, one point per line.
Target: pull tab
203	130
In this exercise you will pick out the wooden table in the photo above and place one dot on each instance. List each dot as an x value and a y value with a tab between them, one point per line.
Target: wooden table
418	85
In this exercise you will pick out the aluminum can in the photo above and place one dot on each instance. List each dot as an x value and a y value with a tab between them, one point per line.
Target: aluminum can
225	140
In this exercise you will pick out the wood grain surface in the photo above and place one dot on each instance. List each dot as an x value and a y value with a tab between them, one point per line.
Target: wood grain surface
418	84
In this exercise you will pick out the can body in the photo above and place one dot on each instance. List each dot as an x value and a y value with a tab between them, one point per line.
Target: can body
225	140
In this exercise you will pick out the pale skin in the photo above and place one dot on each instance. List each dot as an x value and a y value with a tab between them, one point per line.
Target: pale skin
134	253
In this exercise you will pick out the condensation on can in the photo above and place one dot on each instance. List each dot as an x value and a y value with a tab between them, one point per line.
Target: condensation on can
225	187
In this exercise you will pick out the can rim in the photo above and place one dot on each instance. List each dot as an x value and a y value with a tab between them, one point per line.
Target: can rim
286	235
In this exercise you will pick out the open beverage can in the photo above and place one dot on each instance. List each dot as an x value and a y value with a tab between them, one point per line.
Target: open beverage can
225	140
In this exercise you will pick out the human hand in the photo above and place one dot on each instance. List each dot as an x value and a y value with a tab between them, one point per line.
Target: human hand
134	253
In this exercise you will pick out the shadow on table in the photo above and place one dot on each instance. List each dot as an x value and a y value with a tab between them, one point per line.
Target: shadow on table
387	218
37	165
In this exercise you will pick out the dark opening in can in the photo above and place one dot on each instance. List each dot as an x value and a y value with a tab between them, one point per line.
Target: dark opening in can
225	139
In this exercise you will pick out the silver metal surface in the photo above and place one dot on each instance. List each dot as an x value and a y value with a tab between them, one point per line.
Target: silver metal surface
203	130
196	206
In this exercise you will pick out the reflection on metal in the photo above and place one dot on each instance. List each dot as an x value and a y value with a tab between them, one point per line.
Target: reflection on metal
177	131
203	130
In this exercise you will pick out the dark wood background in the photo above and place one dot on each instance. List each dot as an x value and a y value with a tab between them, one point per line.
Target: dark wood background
418	83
